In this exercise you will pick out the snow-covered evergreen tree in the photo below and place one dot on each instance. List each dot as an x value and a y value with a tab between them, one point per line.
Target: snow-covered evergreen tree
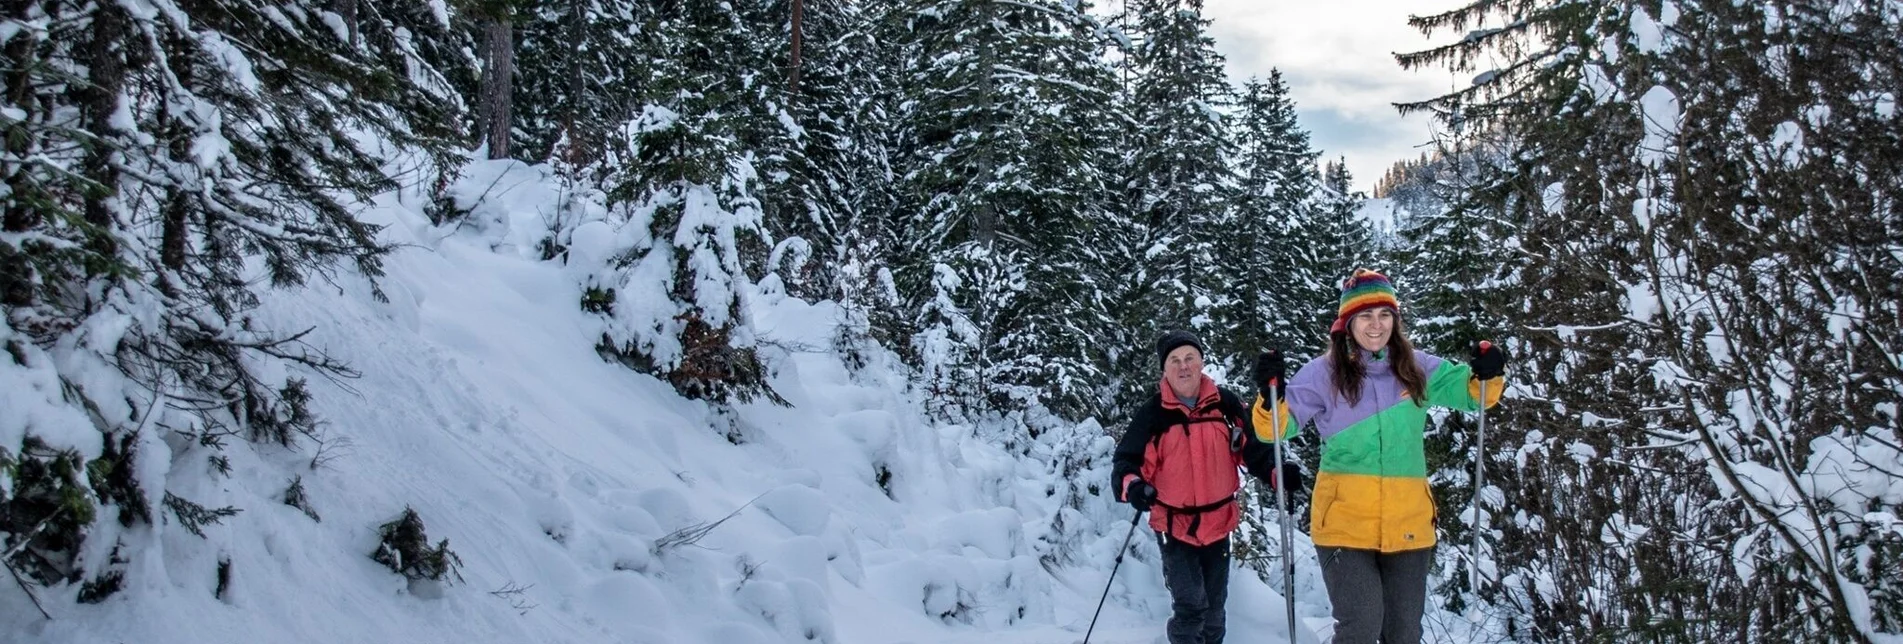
1177	184
826	182
1002	161
577	64
198	153
1346	241
1462	271
1269	251
1684	412
682	189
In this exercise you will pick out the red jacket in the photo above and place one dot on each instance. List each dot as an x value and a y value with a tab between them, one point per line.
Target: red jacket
1191	456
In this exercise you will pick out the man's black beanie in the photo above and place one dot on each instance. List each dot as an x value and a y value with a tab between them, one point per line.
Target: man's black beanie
1170	341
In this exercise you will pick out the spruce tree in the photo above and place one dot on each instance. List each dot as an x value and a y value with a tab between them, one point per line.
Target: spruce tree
1056	353
1693	369
1002	160
1177	182
577	68
677	297
826	180
203	152
1461	277
1269	253
1346	241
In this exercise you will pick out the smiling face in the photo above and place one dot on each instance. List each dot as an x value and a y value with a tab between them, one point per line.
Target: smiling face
1372	328
1183	369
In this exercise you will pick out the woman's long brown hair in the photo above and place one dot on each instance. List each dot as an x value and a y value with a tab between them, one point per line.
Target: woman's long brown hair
1347	370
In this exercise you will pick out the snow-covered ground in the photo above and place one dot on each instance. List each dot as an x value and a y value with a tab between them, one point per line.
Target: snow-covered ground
553	474
1381	214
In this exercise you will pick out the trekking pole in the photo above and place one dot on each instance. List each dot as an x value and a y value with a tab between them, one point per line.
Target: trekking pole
1281	503
1480	472
1113	575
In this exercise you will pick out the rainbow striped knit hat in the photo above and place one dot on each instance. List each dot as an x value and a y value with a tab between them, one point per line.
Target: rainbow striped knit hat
1364	290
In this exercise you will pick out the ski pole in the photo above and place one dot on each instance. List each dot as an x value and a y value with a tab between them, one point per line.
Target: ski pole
1281	503
1113	575
1480	472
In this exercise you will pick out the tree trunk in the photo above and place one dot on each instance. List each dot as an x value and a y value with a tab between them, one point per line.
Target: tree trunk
107	73
985	220
580	148
348	9
498	72
16	274
19	216
793	75
175	211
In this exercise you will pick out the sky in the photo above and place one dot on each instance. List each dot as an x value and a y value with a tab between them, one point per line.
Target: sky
1338	59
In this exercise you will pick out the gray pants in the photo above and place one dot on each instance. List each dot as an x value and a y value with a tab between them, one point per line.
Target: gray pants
1377	597
1198	579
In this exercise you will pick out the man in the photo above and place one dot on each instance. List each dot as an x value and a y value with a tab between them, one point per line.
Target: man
1178	462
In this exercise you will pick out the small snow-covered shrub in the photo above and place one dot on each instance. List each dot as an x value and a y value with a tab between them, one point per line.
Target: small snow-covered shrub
112	480
98	589
44	511
405	549
598	300
224	578
112	580
967	588
295	496
195	517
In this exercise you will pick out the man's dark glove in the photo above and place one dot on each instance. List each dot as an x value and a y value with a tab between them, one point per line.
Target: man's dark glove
1489	360
1291	473
1142	495
1271	370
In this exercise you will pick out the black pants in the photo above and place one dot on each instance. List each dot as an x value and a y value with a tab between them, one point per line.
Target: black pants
1198	579
1378	597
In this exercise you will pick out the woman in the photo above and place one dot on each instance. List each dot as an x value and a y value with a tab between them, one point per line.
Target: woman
1372	514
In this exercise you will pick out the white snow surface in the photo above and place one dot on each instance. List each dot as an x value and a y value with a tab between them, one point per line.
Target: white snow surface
1646	32
553	474
1380	214
1660	108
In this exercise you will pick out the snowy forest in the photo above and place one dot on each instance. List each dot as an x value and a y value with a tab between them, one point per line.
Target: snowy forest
1681	216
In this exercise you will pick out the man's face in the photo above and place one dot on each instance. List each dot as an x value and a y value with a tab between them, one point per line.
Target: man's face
1183	369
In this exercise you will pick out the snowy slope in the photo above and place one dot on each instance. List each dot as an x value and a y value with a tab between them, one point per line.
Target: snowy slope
1379	213
553	474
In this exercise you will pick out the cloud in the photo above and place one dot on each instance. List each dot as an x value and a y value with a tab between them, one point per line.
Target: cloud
1338	60
1370	143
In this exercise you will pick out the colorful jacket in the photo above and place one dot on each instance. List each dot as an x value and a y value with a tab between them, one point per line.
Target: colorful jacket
1191	456
1371	491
